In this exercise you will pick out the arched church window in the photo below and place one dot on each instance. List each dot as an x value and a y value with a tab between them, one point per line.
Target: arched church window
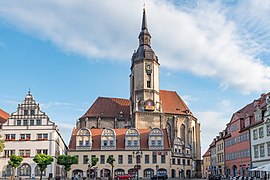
132	139
84	139
108	139
156	139
183	133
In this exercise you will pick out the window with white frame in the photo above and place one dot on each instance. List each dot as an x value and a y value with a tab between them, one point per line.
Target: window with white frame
9	152
247	121
262	150
261	132
268	149
256	151
24	152
258	115
255	134
42	151
268	129
108	139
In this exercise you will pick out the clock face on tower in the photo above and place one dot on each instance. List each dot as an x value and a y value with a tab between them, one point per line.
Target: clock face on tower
149	105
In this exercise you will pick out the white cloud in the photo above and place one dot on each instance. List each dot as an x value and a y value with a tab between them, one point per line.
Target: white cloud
55	104
65	130
189	99
208	39
211	124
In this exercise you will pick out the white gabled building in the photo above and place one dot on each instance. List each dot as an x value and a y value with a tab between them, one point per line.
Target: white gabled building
27	132
260	139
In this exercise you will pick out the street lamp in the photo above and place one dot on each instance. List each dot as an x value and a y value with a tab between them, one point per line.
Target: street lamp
138	155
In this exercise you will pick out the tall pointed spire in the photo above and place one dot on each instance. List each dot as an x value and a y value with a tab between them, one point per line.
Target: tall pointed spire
144	37
144	22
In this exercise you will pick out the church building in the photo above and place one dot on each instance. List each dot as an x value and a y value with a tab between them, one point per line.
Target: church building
154	123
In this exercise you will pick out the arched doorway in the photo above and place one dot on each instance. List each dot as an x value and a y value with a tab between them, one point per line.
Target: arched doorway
37	172
173	173
7	171
234	170
148	172
24	170
90	173
105	173
119	172
77	173
181	173
132	172
188	174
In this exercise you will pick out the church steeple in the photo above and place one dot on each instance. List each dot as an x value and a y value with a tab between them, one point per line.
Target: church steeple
144	77
144	37
144	22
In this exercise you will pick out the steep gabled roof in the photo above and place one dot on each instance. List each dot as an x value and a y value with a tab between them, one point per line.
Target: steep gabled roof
172	103
207	153
108	107
3	116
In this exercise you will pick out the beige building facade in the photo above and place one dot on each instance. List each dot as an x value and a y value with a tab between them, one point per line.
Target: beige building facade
220	153
148	108
206	164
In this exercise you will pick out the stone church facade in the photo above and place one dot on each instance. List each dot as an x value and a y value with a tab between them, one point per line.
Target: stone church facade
147	108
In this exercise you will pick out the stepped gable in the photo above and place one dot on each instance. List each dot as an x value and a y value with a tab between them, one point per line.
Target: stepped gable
120	139
172	103
108	107
3	116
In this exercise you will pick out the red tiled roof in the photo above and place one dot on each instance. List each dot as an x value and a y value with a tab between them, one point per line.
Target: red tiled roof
3	116
207	153
108	107
120	139
172	103
111	107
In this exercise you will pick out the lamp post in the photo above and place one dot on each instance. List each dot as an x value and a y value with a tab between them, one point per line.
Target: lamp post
138	155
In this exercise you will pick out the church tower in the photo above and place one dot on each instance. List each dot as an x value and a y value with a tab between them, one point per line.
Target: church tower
144	82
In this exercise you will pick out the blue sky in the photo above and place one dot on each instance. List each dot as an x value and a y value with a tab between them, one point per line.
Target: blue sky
213	53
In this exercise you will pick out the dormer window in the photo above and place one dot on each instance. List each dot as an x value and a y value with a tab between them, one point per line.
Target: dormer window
83	139
132	139
258	115
108	139
156	139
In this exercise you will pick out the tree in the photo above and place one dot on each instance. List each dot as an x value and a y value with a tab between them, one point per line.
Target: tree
2	145
67	161
14	162
110	161
42	161
94	161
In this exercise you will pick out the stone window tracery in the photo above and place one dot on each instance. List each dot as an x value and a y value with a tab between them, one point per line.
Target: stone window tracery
156	139
132	139
83	139
108	139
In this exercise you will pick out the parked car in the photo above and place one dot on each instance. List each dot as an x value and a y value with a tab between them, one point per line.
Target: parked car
123	176
160	176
